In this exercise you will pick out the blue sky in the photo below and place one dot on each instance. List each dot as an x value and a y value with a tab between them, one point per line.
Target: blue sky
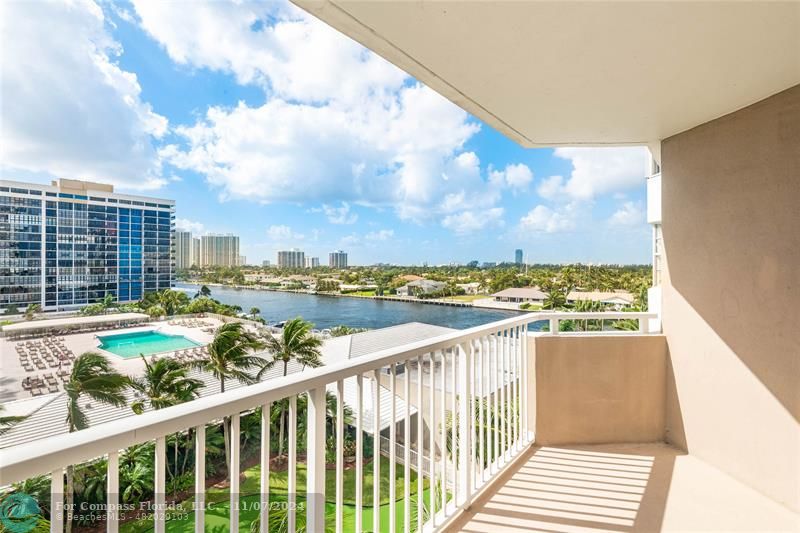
261	121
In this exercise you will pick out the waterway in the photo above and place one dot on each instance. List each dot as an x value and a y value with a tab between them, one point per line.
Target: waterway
328	312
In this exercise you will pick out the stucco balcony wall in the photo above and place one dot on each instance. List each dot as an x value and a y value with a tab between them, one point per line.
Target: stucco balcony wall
598	389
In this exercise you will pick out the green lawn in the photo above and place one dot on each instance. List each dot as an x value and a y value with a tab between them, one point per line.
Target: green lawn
217	515
468	297
360	293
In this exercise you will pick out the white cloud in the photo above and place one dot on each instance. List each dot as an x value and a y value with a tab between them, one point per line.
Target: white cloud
272	44
597	171
381	235
543	219
283	234
184	224
629	214
472	221
68	109
376	153
551	187
339	124
516	177
338	215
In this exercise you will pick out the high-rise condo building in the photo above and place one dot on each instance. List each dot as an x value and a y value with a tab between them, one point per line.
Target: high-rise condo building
293	258
518	256
184	256
71	243
337	259
242	260
219	250
312	262
195	251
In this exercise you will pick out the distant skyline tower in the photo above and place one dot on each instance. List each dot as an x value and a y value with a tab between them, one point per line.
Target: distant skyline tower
183	249
195	251
294	258
518	256
219	250
337	259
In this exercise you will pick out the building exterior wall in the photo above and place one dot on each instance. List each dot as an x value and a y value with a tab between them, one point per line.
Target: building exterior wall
71	243
731	239
183	249
597	388
337	259
219	250
291	259
195	252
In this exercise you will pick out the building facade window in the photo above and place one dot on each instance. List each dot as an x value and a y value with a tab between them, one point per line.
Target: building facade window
75	250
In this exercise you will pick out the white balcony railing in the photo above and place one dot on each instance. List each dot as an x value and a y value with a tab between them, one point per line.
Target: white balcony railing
470	394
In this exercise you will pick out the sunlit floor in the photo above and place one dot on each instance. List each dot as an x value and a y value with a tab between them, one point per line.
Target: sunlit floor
640	487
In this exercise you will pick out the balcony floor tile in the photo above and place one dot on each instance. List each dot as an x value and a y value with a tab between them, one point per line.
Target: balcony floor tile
620	488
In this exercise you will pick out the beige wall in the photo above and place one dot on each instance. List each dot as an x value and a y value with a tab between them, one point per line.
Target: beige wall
731	295
599	389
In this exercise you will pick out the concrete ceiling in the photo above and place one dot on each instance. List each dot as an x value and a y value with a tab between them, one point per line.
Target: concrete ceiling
569	73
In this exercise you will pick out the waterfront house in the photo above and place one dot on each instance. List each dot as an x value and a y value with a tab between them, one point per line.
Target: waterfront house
420	287
520	295
473	287
257	277
616	299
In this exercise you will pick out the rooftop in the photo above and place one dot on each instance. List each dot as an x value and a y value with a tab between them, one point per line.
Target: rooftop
72	322
521	292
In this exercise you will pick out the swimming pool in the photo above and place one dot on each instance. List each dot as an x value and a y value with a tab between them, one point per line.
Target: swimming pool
128	345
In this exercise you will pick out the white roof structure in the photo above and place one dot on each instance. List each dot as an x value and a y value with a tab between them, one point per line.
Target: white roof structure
367	342
72	322
351	400
376	340
531	293
50	418
617	297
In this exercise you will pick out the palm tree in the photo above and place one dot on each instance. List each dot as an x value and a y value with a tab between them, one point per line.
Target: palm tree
340	331
108	301
156	311
230	356
92	376
7	421
295	343
170	300
555	299
31	310
137	480
254	311
164	384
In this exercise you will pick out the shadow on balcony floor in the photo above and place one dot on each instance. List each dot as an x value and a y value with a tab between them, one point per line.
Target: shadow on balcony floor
625	488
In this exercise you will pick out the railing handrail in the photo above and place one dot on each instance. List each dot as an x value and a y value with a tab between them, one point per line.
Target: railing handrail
26	460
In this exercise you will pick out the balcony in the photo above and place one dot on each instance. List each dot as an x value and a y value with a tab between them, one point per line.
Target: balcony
481	415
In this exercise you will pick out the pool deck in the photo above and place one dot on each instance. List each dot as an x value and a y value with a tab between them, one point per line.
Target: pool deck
12	373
